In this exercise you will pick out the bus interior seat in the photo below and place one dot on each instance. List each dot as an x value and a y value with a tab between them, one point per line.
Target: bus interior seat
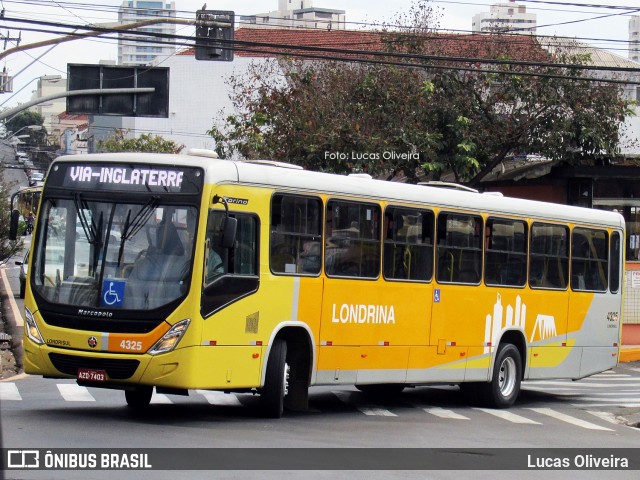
168	240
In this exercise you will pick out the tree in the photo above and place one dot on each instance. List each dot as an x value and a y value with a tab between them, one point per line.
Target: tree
433	116
118	142
7	247
24	119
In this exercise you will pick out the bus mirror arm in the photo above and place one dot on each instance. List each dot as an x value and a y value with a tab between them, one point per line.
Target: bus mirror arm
13	225
228	226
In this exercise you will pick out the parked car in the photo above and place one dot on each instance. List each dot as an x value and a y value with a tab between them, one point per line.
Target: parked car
36	178
24	265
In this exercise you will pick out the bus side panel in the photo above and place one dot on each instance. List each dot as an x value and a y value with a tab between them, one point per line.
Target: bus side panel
433	364
207	367
595	324
594	319
374	316
337	365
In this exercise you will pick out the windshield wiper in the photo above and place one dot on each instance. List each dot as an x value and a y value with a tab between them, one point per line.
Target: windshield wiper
132	227
90	230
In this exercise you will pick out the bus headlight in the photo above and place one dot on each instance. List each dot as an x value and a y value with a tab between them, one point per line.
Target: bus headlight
170	340
31	328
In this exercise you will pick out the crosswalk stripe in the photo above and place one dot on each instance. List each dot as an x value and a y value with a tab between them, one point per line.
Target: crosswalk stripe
366	409
9	391
606	416
375	411
219	398
569	419
74	393
583	384
160	398
508	416
623	404
444	413
602	397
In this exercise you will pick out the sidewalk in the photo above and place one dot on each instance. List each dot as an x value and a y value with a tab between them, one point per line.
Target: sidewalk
629	353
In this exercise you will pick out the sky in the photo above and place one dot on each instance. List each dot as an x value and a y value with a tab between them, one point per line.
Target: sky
601	27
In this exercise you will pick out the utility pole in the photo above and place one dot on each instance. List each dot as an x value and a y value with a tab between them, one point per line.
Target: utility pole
8	38
6	82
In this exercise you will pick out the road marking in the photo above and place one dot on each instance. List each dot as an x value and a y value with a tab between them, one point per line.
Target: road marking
444	413
569	419
375	411
634	381
160	398
370	410
9	391
220	398
74	393
508	416
17	316
624	404
606	416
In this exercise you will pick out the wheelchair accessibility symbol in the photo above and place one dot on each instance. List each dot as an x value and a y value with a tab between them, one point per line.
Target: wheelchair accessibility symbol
112	293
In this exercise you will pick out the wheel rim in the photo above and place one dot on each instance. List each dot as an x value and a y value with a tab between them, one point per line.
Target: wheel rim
285	382
507	376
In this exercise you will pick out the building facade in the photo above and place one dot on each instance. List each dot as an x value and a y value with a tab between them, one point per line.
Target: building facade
297	14
508	17
50	85
634	38
133	49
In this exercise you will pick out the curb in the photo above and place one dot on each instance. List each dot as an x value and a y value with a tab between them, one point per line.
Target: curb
631	354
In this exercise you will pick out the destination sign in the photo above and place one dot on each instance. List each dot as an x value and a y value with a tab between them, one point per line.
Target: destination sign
127	178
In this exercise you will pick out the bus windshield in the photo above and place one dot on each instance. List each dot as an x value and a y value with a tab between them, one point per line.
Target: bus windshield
111	254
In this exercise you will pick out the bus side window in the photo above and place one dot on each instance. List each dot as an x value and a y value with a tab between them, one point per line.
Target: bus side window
549	256
506	253
239	260
352	239
614	262
295	234
589	269
408	244
459	250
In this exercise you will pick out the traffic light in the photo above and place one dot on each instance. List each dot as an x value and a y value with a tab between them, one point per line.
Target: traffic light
214	35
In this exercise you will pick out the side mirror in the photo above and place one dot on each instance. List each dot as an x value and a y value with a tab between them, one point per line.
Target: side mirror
13	225
228	226
228	232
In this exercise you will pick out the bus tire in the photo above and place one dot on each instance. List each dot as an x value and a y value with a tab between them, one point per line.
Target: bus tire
504	387
276	382
139	397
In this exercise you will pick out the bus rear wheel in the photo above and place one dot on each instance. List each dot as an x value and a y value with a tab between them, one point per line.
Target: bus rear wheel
139	397
504	387
276	382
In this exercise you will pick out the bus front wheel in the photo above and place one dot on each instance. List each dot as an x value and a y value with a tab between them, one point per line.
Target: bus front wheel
139	397
504	387
276	382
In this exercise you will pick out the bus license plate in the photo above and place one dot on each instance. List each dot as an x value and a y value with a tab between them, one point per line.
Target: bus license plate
92	375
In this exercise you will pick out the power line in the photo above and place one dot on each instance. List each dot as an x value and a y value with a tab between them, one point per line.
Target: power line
284	49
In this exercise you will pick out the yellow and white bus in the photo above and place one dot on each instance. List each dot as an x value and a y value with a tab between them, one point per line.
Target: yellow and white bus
188	272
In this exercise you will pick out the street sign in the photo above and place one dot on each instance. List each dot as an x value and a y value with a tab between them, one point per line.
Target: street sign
91	77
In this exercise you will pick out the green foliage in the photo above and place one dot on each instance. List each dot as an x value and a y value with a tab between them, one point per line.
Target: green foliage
7	247
24	119
118	142
348	117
